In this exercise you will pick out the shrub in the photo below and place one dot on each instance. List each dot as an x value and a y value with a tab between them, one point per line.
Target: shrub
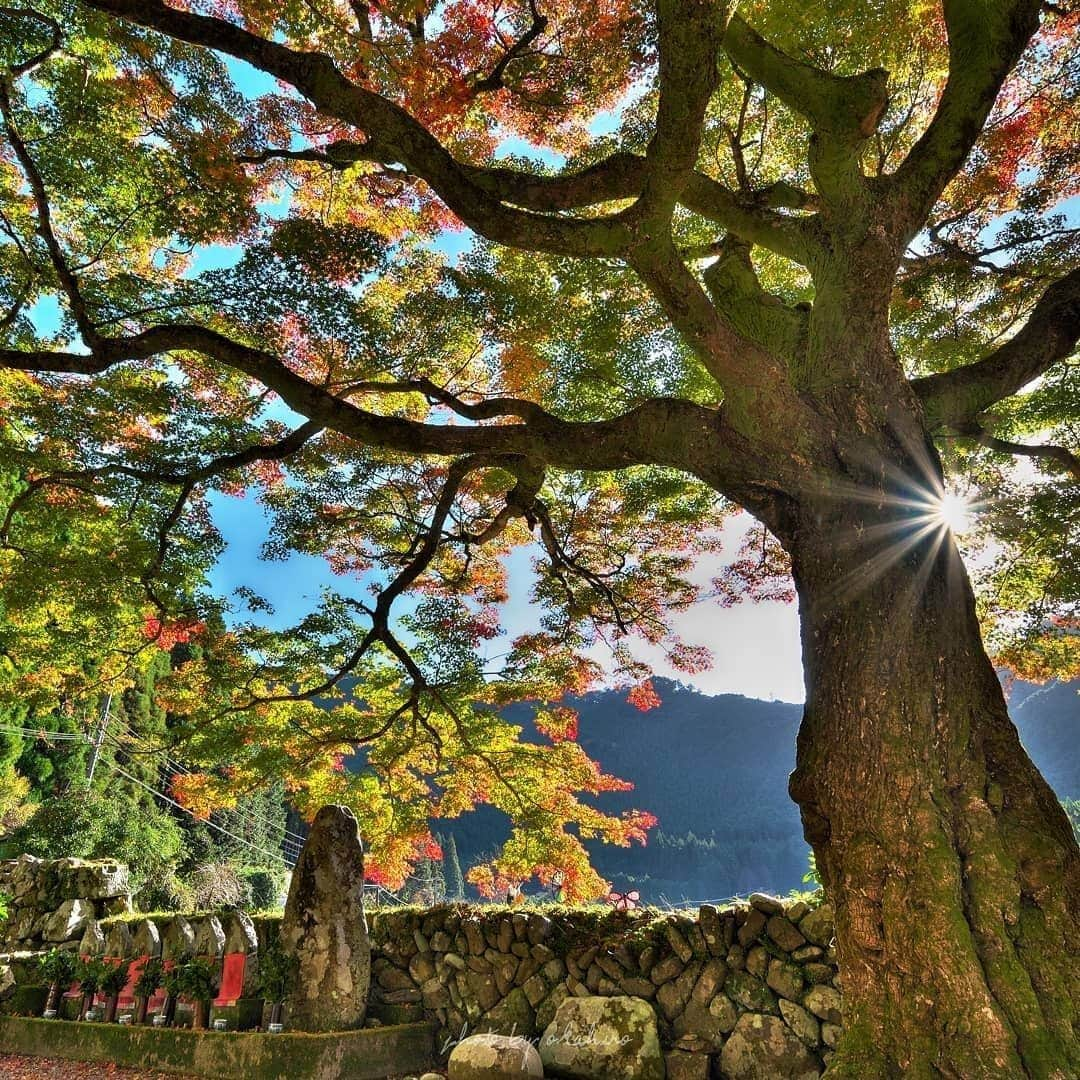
197	980
57	968
263	886
216	885
166	893
90	973
172	979
114	977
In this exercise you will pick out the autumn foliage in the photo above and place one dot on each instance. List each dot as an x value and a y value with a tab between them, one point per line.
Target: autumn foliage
300	266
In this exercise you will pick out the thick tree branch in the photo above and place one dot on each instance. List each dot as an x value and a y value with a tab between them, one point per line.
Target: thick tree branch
955	398
757	392
843	111
844	108
622	176
663	431
52	28
754	313
504	205
689	41
986	38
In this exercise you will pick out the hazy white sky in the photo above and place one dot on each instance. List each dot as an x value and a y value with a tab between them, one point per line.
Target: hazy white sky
755	646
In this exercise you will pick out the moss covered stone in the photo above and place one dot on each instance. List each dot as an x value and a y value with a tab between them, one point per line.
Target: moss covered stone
612	1037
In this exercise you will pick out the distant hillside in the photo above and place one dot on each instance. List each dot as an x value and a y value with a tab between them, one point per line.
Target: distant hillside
714	771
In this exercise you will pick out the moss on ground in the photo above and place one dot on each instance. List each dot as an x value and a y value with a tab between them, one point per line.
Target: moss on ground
369	1054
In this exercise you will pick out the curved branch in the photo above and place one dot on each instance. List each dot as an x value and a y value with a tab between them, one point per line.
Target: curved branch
392	134
955	398
68	281
661	431
1060	454
986	38
503	205
621	176
845	108
494	79
843	111
56	36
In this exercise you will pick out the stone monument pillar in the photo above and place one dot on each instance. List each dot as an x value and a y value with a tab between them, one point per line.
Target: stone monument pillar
325	929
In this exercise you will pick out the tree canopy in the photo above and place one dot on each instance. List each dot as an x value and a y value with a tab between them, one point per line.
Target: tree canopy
436	282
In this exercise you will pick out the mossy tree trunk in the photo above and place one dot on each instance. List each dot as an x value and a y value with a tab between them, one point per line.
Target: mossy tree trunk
951	864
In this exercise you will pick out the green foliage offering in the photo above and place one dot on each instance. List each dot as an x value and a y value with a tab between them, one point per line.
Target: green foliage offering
277	972
172	979
91	972
114	976
58	968
811	875
150	978
196	979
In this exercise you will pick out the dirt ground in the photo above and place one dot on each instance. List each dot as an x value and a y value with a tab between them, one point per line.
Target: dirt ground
35	1068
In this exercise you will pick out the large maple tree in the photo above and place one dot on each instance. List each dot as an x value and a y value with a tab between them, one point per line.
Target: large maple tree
810	262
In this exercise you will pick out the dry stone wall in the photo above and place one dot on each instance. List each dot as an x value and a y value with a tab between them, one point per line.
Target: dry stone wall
741	992
53	901
754	986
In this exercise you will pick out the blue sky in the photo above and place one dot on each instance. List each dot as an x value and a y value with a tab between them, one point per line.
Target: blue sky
756	646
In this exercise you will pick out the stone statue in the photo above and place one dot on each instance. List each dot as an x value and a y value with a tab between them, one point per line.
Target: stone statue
325	929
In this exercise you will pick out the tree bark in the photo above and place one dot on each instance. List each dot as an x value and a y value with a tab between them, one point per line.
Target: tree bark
952	867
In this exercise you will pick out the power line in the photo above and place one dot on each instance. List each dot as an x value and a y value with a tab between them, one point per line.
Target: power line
278	856
250	813
180	806
38	733
82	737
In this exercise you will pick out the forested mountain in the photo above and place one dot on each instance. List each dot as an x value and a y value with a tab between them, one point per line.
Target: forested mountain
714	771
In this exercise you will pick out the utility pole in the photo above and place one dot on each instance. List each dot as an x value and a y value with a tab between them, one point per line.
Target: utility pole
99	738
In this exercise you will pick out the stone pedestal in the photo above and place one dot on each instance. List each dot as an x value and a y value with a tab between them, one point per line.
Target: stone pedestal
325	929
